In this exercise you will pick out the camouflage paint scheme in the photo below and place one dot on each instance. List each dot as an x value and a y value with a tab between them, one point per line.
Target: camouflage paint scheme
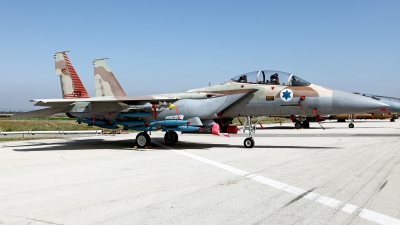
192	110
266	98
308	99
71	85
234	98
105	82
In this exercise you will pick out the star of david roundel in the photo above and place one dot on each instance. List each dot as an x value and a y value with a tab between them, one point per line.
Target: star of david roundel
286	95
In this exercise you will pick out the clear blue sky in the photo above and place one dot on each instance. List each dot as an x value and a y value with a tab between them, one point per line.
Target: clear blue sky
167	46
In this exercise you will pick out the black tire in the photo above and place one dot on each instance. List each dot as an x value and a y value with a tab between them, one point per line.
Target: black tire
392	119
248	143
170	137
298	125
143	140
351	125
176	137
306	124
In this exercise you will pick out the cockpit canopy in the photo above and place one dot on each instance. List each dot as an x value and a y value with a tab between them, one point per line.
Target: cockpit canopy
270	77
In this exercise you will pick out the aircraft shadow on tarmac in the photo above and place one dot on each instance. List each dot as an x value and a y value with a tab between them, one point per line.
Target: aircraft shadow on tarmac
92	144
128	144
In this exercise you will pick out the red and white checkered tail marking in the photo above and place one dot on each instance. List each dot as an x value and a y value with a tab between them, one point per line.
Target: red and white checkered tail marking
79	89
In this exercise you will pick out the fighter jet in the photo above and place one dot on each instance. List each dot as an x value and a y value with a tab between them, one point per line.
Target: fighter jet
209	109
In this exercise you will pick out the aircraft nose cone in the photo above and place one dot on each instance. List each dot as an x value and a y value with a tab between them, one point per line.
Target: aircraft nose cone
344	102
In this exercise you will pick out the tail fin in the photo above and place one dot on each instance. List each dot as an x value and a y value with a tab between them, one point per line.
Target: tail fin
71	85
104	80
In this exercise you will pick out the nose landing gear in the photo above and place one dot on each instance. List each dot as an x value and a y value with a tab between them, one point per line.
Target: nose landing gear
351	125
248	125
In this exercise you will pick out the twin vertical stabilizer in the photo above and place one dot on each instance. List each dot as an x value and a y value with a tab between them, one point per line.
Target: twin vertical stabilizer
71	85
106	85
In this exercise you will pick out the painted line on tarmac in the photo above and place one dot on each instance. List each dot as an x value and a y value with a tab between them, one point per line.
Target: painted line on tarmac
330	202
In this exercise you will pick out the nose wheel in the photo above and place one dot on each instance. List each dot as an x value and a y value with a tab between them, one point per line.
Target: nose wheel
248	142
351	125
248	125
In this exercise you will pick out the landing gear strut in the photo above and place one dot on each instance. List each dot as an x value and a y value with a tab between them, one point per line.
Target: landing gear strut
170	137
351	125
249	142
143	139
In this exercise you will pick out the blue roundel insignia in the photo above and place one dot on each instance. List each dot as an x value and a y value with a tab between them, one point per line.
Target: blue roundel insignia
286	95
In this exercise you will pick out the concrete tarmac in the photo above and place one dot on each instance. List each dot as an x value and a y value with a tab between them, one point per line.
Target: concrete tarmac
308	176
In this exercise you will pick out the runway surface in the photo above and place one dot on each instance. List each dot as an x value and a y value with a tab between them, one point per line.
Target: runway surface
309	176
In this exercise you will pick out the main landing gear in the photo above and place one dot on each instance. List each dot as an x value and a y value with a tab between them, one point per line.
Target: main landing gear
248	125
143	138
304	124
170	137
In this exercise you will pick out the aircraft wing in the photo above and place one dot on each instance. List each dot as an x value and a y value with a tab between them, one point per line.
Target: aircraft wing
42	112
65	105
126	100
153	99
